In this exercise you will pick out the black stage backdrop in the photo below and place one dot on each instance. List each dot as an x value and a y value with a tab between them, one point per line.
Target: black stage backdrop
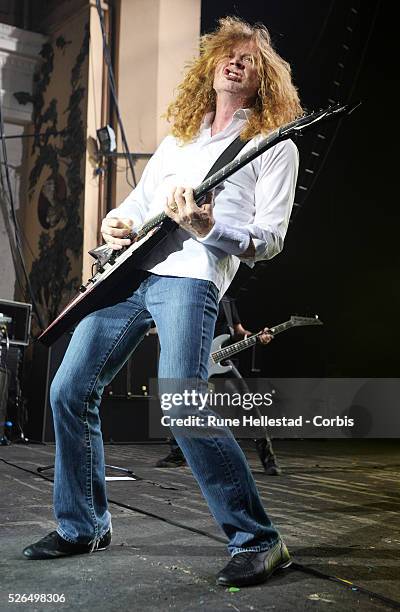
341	256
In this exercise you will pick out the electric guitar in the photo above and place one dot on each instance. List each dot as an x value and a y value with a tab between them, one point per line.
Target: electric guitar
219	352
114	267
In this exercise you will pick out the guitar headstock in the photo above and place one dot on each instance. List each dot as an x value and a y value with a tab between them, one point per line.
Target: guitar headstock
296	320
331	112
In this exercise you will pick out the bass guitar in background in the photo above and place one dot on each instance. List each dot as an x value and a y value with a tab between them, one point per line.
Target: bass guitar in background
221	351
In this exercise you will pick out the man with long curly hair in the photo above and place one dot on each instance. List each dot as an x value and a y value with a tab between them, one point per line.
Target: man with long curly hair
237	86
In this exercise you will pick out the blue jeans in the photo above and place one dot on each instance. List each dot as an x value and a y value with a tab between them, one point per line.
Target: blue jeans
184	310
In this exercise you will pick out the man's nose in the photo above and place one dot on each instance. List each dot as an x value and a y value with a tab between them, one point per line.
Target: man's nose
236	61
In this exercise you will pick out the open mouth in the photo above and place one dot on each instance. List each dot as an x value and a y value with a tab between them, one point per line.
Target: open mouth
231	75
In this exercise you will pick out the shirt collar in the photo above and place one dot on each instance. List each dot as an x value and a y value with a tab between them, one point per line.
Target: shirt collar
241	113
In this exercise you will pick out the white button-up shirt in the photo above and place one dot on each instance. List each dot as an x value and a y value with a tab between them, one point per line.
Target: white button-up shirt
254	203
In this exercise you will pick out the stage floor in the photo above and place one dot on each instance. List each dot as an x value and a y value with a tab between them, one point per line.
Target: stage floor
336	504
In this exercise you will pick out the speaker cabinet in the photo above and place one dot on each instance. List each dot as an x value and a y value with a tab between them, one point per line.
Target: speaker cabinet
125	420
19	329
133	379
45	363
123	410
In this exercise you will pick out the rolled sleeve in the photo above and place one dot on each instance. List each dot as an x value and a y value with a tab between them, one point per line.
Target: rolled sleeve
274	197
230	240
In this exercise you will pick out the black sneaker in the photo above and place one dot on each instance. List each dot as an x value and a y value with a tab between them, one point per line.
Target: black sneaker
53	546
174	459
247	568
271	467
267	457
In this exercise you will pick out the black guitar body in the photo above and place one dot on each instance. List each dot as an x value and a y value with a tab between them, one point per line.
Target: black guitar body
101	292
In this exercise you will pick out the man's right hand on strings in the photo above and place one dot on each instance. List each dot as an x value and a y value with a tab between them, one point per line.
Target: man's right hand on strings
116	232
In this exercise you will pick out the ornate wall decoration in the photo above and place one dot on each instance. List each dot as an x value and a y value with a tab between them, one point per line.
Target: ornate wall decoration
51	204
60	199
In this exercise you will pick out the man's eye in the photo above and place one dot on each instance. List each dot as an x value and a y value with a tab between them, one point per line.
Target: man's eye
248	58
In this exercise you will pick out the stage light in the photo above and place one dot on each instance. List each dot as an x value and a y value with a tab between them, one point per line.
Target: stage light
106	136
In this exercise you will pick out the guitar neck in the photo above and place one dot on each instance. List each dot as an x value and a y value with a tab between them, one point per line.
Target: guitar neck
232	349
281	327
218	177
238	163
282	133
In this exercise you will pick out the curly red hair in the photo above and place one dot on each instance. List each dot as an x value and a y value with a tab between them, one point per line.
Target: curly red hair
277	101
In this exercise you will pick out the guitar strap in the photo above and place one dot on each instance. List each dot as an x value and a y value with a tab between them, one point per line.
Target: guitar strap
226	156
227	306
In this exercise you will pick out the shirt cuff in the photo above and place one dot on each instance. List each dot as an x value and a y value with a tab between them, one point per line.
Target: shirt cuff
231	240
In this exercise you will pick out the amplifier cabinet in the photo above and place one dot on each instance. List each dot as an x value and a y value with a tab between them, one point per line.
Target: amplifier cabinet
122	404
20	327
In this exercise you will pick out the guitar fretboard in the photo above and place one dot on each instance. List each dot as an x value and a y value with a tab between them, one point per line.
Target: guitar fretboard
222	175
278	135
281	327
283	133
232	349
